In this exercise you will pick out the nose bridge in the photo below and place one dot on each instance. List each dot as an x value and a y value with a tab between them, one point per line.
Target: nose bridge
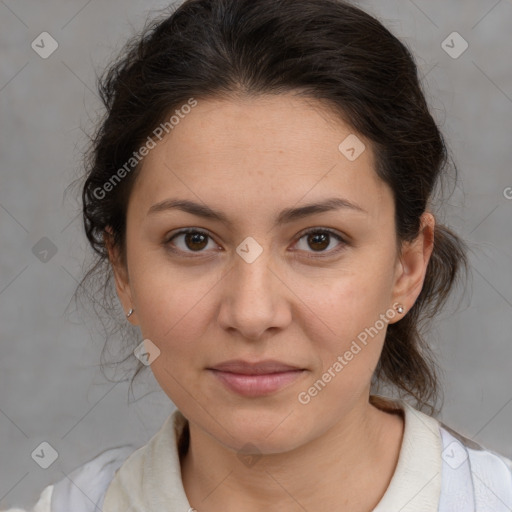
252	274
250	300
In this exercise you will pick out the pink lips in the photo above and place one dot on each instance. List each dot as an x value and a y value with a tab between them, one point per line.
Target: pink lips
256	379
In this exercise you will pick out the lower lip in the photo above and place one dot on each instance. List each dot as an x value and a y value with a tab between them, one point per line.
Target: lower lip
257	385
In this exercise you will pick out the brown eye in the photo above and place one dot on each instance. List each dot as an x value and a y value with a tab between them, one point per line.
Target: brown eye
193	240
319	240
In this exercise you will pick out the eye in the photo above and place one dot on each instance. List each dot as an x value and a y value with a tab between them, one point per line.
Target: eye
320	239
194	240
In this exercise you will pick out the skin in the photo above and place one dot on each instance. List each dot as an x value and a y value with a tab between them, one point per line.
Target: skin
251	158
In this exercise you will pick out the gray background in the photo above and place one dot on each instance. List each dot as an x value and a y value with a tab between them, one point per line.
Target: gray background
50	385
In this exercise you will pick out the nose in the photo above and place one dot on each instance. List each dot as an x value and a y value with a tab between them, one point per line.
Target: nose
254	298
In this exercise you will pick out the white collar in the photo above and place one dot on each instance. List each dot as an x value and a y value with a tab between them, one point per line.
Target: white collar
150	478
416	482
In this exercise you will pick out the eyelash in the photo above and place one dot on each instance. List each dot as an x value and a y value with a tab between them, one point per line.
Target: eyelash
321	254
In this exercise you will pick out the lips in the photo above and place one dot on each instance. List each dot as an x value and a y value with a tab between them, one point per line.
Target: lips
257	368
256	379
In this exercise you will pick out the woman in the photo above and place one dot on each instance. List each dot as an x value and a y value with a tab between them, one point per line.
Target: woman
260	189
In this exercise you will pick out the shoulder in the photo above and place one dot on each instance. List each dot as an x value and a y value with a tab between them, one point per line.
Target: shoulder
473	477
84	488
469	477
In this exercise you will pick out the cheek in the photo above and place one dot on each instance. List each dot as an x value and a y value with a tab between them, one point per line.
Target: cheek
349	319
171	301
174	310
347	305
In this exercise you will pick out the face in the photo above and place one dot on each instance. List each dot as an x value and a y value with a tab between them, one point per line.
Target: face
259	281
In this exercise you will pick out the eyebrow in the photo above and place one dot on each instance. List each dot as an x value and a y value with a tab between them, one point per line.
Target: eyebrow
286	216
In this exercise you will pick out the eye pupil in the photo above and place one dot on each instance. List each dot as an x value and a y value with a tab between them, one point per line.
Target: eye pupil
319	238
195	238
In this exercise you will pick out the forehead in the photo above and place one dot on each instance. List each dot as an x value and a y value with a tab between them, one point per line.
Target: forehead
260	150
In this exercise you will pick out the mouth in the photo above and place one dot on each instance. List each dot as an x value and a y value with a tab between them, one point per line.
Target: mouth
256	379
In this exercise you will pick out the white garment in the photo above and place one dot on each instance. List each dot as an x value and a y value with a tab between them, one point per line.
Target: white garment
438	470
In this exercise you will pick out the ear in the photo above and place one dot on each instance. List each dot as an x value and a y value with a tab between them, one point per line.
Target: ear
120	276
412	263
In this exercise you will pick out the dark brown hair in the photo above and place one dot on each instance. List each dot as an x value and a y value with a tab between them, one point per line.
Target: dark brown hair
326	50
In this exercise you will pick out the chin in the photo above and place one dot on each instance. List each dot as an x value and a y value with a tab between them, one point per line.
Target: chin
271	432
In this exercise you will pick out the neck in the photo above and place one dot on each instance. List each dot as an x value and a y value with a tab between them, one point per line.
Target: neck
348	467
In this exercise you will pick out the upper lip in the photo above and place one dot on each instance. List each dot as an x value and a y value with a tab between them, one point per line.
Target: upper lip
255	368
